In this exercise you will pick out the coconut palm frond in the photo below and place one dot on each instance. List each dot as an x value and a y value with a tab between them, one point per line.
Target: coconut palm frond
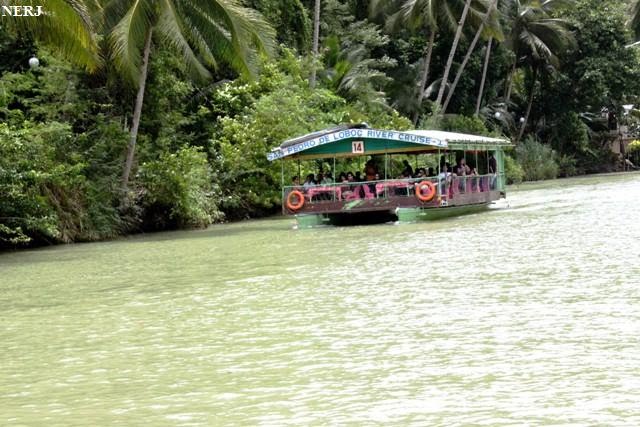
169	26
554	31
217	37
476	15
228	32
205	32
66	27
534	34
537	49
432	89
128	36
449	16
493	28
381	7
396	21
418	13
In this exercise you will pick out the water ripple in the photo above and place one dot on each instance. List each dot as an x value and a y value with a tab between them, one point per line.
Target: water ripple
525	315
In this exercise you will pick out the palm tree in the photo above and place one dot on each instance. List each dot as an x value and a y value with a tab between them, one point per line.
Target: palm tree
536	40
481	28
487	55
217	30
452	52
422	14
419	15
635	20
66	27
316	38
535	33
353	75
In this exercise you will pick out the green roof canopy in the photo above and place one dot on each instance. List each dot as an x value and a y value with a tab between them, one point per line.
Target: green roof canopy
358	140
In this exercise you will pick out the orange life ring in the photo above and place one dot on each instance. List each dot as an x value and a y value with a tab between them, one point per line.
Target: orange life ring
295	206
429	194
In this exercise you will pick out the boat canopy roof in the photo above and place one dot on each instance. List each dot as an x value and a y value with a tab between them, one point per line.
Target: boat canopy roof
359	139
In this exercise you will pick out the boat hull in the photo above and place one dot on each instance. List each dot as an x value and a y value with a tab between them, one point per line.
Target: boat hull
418	214
401	215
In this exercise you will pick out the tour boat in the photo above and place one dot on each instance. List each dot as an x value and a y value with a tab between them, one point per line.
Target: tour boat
387	190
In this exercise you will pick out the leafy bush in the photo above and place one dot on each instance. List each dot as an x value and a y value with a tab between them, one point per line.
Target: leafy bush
60	157
46	196
465	124
177	190
537	160
24	209
567	166
513	170
598	157
570	134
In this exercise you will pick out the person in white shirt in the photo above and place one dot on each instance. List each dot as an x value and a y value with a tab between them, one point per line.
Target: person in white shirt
444	179
309	182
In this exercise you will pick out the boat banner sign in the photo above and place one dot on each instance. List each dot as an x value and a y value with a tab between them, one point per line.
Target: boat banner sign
389	135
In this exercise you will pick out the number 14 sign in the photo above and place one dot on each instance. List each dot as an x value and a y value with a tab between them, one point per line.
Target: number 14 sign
357	147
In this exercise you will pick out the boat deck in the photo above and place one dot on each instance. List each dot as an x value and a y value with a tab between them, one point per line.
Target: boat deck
388	195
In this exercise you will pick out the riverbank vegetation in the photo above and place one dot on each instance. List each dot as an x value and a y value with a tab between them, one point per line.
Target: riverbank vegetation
153	115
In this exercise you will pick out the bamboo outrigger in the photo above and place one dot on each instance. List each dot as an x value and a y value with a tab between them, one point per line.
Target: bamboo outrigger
386	196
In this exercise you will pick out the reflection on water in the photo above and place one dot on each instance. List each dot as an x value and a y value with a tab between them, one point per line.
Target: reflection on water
522	315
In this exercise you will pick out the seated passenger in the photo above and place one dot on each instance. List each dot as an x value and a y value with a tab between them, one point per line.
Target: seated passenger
408	170
295	181
444	179
328	178
462	168
450	171
347	190
493	164
309	182
320	181
370	170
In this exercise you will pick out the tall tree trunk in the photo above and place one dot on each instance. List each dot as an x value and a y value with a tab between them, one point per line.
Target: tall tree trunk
137	111
530	103
507	96
316	37
425	75
452	52
461	68
472	46
484	75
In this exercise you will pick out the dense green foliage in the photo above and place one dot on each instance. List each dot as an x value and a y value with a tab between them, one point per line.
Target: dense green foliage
537	160
513	170
178	189
201	144
249	117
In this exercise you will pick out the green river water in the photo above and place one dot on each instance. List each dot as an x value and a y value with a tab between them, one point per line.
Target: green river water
524	315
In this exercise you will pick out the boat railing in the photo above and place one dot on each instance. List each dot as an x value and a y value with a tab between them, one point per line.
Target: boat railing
446	187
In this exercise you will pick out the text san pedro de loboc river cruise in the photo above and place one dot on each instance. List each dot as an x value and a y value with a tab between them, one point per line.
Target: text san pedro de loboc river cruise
406	175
